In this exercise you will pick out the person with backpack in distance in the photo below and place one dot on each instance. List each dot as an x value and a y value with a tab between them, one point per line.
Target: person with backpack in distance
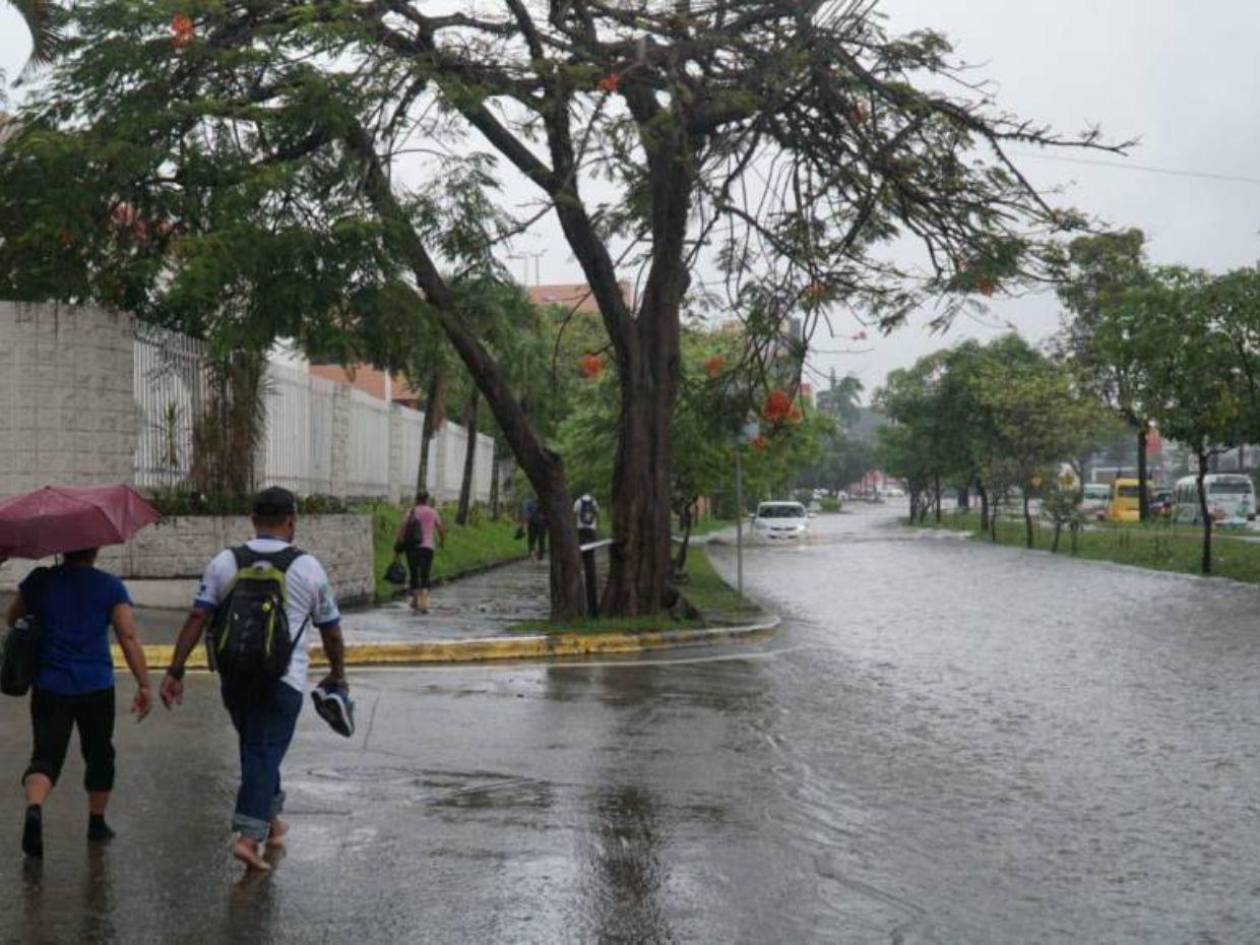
586	509
73	684
415	538
534	518
256	602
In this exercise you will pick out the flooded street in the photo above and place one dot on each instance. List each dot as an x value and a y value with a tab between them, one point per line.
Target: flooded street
949	743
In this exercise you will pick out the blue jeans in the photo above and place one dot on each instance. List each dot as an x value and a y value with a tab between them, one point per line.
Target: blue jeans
265	729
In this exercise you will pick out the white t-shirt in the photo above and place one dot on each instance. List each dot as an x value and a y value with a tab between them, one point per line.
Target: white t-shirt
308	599
577	510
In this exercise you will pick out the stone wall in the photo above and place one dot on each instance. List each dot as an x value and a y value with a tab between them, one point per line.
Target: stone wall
67	414
180	547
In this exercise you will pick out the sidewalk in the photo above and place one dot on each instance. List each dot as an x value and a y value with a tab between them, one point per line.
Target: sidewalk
475	607
468	620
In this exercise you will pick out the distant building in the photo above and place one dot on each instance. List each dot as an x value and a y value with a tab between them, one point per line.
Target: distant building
370	380
576	296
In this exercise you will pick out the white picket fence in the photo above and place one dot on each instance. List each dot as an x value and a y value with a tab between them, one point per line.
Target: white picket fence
321	436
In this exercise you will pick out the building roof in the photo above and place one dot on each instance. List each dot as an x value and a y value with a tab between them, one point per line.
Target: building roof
368	379
572	295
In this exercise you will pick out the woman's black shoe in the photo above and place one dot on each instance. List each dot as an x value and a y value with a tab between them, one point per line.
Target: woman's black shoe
33	832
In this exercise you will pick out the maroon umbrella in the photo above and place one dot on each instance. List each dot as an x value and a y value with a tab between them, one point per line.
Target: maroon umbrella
55	520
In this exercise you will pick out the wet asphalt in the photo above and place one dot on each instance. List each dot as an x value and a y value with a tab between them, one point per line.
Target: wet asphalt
949	743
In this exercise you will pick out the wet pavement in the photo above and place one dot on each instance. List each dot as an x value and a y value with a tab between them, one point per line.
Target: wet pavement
951	743
481	605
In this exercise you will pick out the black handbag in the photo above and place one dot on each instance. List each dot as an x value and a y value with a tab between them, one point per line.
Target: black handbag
21	657
396	573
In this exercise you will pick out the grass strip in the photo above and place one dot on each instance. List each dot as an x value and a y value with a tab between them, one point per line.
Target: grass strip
469	548
1159	546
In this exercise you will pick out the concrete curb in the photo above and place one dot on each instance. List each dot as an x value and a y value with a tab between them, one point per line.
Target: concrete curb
533	647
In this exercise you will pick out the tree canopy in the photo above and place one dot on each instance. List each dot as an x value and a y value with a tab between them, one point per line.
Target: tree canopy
322	170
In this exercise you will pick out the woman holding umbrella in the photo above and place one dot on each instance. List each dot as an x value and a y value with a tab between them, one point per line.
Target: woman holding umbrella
75	604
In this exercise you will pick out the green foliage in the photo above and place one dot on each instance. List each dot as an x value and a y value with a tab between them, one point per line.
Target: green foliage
704	427
997	415
186	501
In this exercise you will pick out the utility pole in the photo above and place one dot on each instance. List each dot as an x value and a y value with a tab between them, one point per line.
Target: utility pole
739	520
524	256
749	433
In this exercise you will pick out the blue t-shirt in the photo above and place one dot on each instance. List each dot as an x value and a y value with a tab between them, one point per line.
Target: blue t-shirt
74	605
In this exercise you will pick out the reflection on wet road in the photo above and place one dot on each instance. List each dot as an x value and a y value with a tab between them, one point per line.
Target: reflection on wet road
950	743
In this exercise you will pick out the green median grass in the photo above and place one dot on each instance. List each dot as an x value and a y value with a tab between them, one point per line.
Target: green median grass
1160	546
469	548
703	588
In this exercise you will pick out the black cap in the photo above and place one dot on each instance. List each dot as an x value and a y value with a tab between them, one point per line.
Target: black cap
275	502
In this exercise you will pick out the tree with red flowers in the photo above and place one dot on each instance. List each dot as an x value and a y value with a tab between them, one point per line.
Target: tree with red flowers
344	161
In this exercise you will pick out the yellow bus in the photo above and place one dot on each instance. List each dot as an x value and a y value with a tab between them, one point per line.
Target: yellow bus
1125	497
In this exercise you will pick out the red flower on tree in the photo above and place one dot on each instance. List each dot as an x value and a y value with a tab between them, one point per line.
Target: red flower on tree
181	30
759	444
122	215
609	83
591	366
795	415
714	365
778	405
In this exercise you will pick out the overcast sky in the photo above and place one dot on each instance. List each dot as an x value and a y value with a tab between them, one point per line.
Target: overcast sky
1182	77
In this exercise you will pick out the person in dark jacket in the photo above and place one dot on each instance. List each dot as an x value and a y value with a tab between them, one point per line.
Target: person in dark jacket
75	604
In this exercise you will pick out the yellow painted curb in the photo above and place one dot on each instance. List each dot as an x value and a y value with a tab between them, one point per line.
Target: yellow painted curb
534	647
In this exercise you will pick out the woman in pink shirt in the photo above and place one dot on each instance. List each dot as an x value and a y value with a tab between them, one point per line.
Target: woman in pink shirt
415	537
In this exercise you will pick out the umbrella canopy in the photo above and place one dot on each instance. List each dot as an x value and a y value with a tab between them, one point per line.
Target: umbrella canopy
55	520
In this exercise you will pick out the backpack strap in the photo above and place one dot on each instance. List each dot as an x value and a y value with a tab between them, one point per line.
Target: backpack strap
245	556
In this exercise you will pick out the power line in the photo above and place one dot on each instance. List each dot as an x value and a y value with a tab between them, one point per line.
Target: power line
1146	168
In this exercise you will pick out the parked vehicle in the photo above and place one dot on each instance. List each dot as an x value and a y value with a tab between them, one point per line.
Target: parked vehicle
780	521
1162	503
1094	503
1231	499
1125	500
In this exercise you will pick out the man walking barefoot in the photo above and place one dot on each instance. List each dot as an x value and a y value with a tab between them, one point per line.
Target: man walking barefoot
248	592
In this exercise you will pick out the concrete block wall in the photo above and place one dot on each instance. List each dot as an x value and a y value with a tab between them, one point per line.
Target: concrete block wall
67	412
181	546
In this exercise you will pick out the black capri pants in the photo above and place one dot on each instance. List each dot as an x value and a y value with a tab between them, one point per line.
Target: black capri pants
54	715
419	565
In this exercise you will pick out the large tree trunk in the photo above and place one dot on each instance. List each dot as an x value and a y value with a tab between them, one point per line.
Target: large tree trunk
470	461
1144	499
984	505
688	521
937	484
640	565
543	467
1206	563
495	476
648	361
432	422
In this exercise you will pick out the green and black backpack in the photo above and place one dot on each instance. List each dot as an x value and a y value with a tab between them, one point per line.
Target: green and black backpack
249	640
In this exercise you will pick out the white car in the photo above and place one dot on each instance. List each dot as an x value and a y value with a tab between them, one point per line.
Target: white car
1094	502
780	520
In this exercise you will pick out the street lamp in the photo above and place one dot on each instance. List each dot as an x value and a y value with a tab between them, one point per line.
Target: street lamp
525	256
749	432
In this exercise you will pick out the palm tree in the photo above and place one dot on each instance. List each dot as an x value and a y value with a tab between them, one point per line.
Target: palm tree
40	17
